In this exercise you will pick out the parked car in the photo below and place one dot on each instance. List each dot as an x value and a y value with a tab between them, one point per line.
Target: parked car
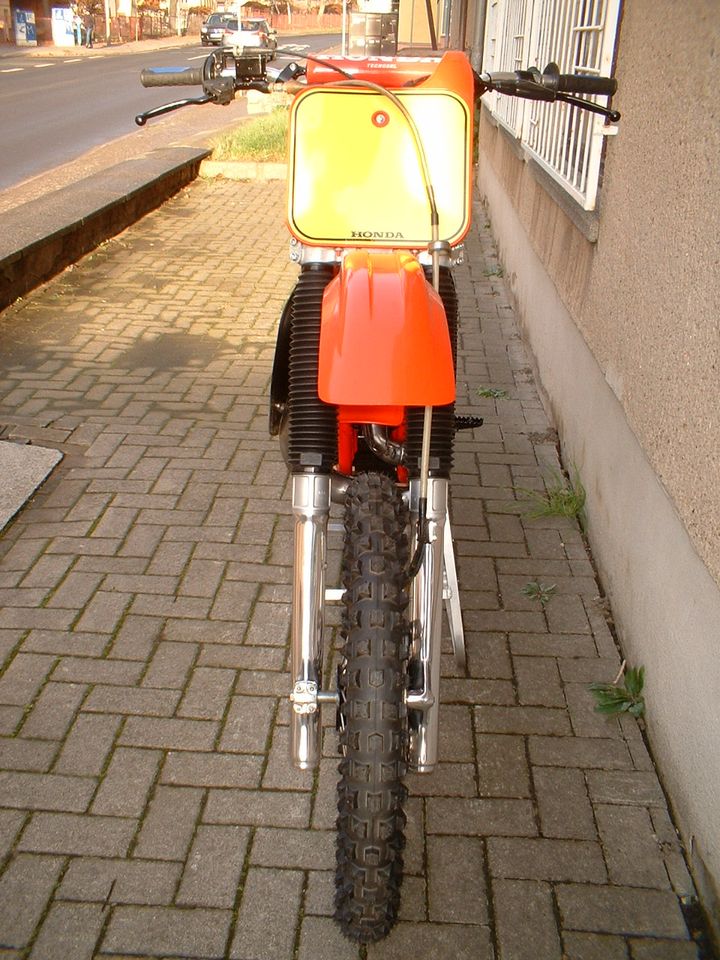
213	25
254	32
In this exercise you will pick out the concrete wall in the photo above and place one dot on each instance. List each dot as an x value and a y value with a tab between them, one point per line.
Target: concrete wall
621	310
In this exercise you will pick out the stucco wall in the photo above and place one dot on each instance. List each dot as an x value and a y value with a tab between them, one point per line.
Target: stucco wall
623	317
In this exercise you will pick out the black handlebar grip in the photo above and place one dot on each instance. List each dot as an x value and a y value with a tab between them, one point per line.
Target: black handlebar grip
171	76
582	83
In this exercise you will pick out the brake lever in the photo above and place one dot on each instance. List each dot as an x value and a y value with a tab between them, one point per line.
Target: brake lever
612	115
142	118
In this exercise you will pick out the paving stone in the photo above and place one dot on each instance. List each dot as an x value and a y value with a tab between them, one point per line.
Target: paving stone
664	950
168	931
300	849
119	881
522	720
104	612
247	725
169	733
127	782
502	765
263	930
132	701
25	888
213	867
584	752
31	755
594	946
170	665
625	787
321	939
77	835
169	825
136	638
632	849
62	643
186	768
627	911
436	939
563	803
86	670
448	780
69	930
544	859
45	791
87	745
207	694
324	802
538	682
473	817
451	900
533	902
24	677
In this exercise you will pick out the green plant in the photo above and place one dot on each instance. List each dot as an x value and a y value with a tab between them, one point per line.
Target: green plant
496	271
262	139
492	392
563	497
539	591
615	698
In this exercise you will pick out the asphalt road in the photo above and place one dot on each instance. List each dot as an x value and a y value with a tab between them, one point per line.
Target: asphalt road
56	109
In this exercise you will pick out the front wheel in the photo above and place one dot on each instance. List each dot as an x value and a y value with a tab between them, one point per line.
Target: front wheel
372	713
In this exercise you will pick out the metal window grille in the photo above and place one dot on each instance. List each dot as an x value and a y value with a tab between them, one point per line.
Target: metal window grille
579	35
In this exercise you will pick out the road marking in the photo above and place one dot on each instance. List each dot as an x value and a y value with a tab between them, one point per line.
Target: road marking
202	56
74	60
39	66
295	47
12	70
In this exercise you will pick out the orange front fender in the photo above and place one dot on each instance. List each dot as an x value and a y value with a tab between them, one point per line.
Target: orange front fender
384	337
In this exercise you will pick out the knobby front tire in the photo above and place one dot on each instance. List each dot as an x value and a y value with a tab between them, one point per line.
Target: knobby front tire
372	712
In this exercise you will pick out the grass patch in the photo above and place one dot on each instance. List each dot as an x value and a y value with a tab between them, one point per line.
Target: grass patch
262	139
564	498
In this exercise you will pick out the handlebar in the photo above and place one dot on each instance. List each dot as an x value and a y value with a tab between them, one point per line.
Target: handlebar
227	71
171	76
551	85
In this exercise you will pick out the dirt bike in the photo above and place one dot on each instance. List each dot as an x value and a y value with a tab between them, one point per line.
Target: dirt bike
362	399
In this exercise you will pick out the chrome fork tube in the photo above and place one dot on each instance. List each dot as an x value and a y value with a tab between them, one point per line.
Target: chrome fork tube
311	508
426	604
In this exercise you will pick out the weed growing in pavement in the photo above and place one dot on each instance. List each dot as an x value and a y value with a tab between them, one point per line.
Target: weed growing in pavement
539	591
496	271
492	393
615	698
262	139
564	497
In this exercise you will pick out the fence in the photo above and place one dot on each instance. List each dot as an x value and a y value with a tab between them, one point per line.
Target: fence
578	35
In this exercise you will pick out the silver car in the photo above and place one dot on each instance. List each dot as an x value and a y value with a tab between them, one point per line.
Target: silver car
254	32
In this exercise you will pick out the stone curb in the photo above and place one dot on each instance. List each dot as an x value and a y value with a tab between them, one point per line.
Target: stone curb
42	237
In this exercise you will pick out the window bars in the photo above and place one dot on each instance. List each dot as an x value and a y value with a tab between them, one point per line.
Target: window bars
579	35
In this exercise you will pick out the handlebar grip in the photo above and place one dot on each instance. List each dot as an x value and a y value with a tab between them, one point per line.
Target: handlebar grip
171	76
583	83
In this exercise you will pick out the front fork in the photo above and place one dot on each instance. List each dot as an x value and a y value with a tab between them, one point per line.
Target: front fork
426	599
311	509
311	495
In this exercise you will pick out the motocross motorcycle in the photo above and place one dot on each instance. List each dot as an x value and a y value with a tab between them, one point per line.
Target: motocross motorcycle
362	400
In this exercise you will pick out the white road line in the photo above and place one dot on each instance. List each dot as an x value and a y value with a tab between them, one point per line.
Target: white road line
74	60
203	56
39	66
12	70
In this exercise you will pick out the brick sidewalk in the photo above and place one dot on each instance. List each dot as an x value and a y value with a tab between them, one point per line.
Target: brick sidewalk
148	808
